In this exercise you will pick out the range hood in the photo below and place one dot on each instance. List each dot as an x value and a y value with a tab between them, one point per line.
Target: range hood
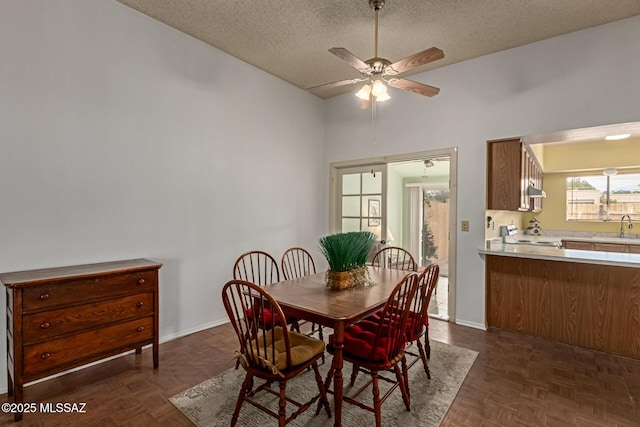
536	192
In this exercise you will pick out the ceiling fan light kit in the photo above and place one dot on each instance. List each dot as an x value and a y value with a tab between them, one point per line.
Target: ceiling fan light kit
380	72
378	88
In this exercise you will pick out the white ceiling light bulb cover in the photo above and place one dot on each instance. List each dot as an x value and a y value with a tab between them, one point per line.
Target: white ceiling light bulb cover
364	92
383	97
378	88
610	171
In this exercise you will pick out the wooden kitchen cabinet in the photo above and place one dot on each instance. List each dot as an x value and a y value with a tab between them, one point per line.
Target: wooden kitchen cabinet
62	318
611	247
511	168
583	246
590	305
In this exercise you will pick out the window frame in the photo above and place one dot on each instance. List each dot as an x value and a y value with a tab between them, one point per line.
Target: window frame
605	199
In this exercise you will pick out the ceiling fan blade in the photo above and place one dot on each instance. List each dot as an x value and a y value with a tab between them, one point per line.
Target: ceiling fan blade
415	87
366	103
349	57
336	84
416	60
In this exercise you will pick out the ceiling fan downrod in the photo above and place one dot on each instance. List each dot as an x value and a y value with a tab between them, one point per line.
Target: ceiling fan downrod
376	5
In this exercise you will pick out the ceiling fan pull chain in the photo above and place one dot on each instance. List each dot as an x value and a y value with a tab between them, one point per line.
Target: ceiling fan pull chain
373	136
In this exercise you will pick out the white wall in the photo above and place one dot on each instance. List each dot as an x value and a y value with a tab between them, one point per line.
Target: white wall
582	79
123	138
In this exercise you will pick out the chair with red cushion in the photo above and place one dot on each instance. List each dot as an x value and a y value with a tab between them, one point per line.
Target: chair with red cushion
297	262
262	269
256	267
417	319
379	346
418	323
268	351
394	257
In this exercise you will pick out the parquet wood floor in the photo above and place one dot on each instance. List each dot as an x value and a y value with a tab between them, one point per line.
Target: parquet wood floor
516	381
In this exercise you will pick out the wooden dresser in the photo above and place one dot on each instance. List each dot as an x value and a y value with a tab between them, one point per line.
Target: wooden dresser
61	318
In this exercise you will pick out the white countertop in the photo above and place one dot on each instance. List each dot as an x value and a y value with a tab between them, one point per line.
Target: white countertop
567	255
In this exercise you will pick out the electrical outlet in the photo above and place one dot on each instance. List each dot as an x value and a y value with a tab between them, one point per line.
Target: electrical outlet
464	225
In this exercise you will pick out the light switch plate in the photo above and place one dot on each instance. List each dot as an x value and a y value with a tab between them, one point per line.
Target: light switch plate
464	225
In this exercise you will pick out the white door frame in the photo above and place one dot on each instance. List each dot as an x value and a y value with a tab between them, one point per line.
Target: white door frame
334	214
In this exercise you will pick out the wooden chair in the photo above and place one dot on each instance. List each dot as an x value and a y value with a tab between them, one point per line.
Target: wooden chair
268	351
379	346
418	323
256	267
418	318
297	262
394	257
262	269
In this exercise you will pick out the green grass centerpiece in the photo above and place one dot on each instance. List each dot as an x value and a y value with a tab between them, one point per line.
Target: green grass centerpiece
347	255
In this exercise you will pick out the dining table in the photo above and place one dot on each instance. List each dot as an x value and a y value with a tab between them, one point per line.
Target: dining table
309	298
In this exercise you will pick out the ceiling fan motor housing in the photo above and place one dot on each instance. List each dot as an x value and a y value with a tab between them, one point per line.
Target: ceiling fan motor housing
376	4
378	65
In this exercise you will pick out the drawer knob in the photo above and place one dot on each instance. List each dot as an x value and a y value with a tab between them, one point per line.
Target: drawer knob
141	282
45	325
45	356
140	304
140	329
44	296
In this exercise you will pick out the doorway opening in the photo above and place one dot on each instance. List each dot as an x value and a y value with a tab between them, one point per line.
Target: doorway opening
427	217
417	211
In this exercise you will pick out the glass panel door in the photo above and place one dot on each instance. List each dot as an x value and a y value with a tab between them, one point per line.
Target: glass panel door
362	200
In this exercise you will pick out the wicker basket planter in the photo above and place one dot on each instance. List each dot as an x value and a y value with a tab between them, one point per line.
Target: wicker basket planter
347	255
340	280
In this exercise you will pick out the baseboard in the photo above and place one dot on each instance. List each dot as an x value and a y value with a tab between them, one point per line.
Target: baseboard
474	325
199	328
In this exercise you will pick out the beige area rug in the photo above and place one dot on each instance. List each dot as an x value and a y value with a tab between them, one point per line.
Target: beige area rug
211	402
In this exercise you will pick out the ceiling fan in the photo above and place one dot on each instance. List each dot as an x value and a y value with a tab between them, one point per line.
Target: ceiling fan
378	71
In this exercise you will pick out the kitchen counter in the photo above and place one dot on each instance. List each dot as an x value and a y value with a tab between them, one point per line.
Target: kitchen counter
581	297
551	253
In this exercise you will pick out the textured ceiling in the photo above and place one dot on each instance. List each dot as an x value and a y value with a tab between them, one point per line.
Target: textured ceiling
290	38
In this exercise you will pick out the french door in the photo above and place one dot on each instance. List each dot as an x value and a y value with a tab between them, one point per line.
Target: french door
361	201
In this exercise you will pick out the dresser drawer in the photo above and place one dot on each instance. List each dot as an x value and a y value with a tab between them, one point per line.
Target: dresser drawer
62	293
48	324
73	348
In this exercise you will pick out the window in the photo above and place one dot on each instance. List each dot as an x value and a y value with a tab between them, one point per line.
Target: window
603	198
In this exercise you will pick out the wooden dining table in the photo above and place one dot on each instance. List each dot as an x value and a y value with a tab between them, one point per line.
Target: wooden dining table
309	298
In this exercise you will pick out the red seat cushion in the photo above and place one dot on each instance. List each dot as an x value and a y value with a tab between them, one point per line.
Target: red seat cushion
412	331
266	317
359	340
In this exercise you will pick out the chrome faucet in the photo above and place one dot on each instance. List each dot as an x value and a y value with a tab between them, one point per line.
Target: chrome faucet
622	224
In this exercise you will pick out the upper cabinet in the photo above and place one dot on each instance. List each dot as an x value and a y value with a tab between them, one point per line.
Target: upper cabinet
513	176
